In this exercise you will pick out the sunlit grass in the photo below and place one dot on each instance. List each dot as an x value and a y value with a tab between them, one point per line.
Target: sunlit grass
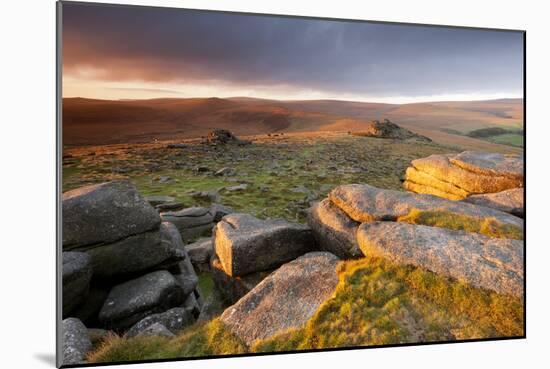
202	339
375	303
378	303
487	226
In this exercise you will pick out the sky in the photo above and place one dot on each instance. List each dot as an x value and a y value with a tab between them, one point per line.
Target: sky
119	52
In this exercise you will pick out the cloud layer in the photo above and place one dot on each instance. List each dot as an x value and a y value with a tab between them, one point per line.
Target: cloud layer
182	47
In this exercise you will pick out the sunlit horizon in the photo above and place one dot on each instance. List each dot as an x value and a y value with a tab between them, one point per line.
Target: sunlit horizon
109	90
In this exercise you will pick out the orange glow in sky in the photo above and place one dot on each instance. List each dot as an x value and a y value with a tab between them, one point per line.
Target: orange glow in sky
115	90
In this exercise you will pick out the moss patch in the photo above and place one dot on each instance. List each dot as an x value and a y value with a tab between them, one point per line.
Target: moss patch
488	226
206	284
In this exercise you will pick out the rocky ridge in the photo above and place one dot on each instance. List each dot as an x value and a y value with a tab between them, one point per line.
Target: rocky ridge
121	264
377	222
387	129
470	175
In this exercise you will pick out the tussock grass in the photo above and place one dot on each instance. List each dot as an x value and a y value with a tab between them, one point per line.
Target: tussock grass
488	226
202	339
379	303
375	303
117	349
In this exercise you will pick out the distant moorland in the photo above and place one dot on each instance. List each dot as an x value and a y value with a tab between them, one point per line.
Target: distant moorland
96	122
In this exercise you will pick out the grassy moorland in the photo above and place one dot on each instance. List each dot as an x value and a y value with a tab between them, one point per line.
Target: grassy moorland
93	122
281	174
375	303
275	176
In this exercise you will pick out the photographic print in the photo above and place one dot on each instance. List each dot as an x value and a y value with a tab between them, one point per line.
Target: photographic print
236	184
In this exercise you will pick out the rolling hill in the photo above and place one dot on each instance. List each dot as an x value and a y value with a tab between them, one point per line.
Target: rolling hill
95	122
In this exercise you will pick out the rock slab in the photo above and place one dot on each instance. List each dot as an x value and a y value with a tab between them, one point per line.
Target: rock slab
489	163
333	230
421	182
129	302
191	222
76	342
286	299
129	255
365	203
233	288
246	244
200	253
490	263
88	310
105	213
174	320
77	274
157	330
185	275
511	201
457	176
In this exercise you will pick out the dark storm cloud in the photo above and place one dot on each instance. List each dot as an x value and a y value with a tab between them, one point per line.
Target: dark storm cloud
167	45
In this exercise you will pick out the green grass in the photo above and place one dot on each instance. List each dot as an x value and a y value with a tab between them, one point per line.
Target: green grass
206	284
512	139
375	303
512	135
270	169
378	303
488	226
504	134
465	128
203	339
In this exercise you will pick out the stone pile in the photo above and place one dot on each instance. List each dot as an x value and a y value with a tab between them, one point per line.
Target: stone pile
223	137
488	179
270	272
359	219
164	203
247	249
200	253
387	129
195	221
123	267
